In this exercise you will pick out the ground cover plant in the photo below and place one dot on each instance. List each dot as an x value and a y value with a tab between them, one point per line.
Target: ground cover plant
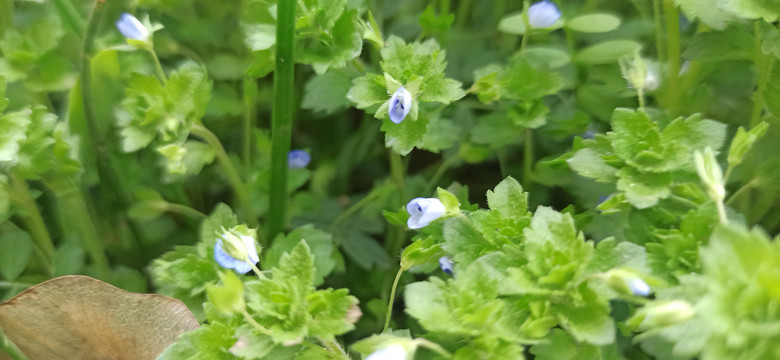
389	180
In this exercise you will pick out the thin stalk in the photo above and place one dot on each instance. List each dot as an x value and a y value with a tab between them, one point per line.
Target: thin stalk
463	12
334	347
257	271
528	158
673	50
763	64
439	173
239	188
6	16
727	174
250	91
391	300
397	235
282	116
157	66
107	173
7	346
256	324
741	190
89	233
351	210
659	31
34	221
502	162
9	284
527	33
433	346
68	11
184	210
721	211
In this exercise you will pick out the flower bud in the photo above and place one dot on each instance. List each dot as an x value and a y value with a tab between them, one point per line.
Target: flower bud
710	173
661	314
543	14
627	283
236	250
298	159
424	210
131	28
447	265
400	105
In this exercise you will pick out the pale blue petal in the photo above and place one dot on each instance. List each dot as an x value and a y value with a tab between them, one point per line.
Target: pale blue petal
298	159
131	28
543	14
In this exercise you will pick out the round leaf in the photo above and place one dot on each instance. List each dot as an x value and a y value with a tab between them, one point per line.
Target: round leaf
594	23
606	52
551	58
78	317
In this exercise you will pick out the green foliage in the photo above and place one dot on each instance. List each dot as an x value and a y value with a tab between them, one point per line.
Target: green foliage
419	67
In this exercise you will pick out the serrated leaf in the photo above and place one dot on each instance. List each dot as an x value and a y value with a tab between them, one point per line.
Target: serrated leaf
320	243
508	199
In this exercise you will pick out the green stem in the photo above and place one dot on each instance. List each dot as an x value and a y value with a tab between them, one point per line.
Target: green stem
282	116
7	346
444	7
34	221
184	210
463	12
351	210
6	16
250	91
439	173
721	211
68	11
8	284
673	50
527	33
433	346
107	173
502	161
257	271
528	158
239	188
763	63
397	235
659	31
391	300
89	233
741	191
157	65
334	348
256	324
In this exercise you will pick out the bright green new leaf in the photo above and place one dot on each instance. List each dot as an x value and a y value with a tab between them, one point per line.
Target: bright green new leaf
229	297
561	346
320	243
210	341
508	199
743	141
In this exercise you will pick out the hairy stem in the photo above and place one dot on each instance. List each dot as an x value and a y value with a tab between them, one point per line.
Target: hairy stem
281	118
433	346
391	299
239	188
157	66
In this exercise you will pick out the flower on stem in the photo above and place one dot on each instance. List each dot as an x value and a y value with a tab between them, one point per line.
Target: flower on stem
447	265
627	282
400	104
543	14
132	28
392	352
424	210
298	159
235	250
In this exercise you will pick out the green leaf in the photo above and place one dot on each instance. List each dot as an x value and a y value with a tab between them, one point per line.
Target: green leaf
524	82
743	141
508	199
434	25
320	243
606	52
561	346
17	249
440	134
643	190
328	311
540	57
769	10
588	163
423	254
14	126
210	341
229	297
512	24
593	23
364	250
368	91
327	92
407	135
730	44
590	321
35	155
3	99
715	17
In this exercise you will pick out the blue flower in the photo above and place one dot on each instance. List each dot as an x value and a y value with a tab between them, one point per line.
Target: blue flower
236	251
298	159
131	28
400	104
446	265
422	211
543	14
392	352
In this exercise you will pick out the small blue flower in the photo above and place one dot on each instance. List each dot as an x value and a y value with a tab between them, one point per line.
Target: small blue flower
298	159
234	251
400	104
639	287
543	14
392	352
422	211
131	28
446	265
